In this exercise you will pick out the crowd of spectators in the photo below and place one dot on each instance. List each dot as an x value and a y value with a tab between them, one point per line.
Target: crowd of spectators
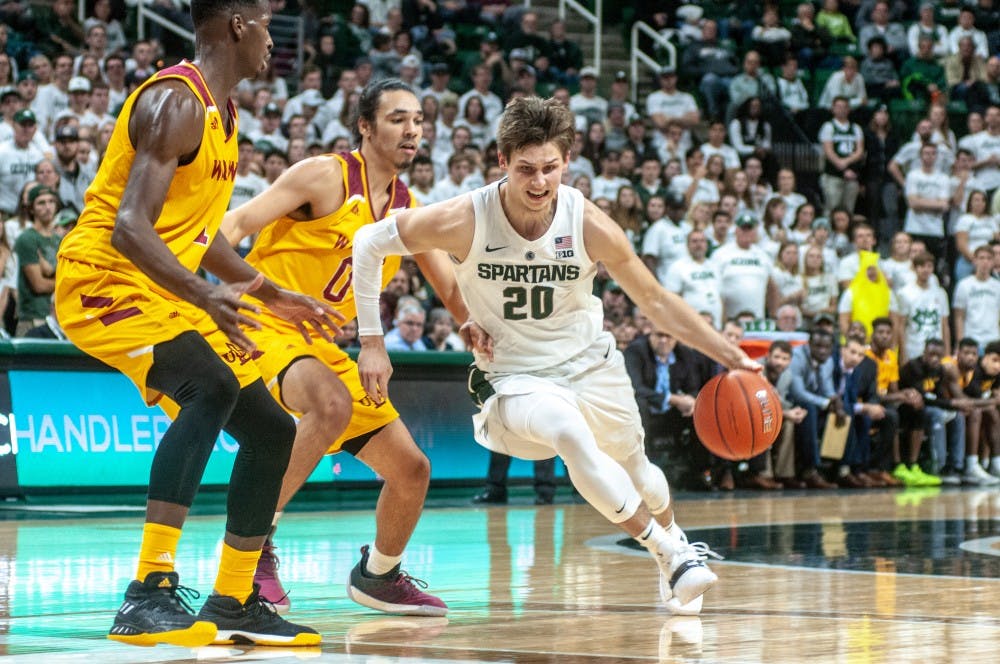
881	264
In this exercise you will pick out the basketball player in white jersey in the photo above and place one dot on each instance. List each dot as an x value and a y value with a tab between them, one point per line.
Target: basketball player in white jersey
525	251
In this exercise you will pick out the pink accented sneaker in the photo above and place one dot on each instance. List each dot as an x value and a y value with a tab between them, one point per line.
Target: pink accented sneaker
393	592
267	577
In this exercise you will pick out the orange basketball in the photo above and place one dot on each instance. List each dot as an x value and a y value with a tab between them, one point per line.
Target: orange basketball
737	415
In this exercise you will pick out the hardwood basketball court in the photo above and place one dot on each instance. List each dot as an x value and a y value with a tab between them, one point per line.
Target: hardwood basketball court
876	576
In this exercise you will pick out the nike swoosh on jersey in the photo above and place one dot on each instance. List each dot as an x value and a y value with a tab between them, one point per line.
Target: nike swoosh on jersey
490	249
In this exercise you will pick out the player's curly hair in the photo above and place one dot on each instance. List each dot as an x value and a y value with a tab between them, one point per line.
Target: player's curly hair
535	121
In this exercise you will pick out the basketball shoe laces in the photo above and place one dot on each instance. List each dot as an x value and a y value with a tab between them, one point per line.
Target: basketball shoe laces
409	585
175	598
257	605
702	551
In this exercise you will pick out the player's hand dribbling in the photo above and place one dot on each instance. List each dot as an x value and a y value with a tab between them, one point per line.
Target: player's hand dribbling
746	364
223	302
301	309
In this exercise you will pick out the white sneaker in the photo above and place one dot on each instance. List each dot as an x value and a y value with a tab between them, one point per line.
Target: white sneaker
683	571
976	475
674	606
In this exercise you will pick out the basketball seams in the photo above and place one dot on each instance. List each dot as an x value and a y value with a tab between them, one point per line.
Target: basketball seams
718	422
750	415
722	430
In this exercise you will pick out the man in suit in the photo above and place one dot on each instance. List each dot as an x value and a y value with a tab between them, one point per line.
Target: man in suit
812	388
775	467
855	378
666	377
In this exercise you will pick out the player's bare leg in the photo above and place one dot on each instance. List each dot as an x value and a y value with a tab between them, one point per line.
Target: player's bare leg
310	388
377	581
395	457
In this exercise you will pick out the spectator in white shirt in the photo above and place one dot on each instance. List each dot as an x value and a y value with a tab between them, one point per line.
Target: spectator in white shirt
967	28
846	83
459	169
693	277
668	103
976	228
791	91
792	198
609	181
422	179
926	26
924	308
482	79
987	151
898	267
587	103
744	270
976	309
717	145
907	159
665	239
270	128
928	195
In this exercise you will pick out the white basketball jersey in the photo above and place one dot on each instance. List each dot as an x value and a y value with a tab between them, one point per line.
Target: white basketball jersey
534	297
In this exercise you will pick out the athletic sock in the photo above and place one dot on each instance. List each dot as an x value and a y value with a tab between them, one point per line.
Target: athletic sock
236	569
158	549
379	563
995	464
655	539
971	461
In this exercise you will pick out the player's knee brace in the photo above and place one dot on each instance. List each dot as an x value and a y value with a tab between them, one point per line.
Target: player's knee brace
651	483
599	478
265	433
188	371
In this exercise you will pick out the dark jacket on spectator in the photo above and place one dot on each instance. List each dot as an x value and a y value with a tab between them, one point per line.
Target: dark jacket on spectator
689	372
702	58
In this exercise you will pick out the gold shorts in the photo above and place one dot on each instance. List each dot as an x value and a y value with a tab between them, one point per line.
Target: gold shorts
116	318
280	344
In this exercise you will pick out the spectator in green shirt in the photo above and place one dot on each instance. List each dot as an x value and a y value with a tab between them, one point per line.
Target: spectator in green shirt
36	249
922	76
835	22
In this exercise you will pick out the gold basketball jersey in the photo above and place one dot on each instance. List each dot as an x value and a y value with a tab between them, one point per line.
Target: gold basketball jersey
195	202
314	257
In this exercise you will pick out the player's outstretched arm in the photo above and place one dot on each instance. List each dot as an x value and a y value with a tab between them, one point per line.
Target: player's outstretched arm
606	242
447	226
308	190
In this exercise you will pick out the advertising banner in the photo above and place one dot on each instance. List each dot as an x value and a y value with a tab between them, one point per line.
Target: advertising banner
92	429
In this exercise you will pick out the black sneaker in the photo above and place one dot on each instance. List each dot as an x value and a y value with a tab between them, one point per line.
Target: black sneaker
490	497
156	611
255	622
